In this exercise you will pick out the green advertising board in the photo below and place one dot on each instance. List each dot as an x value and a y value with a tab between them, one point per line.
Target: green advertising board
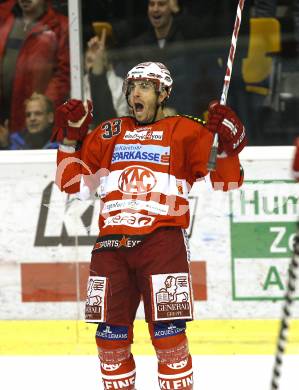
263	217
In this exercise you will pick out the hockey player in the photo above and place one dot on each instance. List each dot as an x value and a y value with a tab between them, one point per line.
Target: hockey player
142	167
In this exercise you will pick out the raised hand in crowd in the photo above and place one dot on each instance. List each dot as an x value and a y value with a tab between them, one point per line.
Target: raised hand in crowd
98	59
101	83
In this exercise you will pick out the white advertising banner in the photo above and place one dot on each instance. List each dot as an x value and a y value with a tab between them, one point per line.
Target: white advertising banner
240	241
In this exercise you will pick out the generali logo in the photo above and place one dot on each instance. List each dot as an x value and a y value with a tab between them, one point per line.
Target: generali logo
136	180
172	296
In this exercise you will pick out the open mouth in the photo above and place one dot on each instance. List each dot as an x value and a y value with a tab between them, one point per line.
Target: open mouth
138	107
156	18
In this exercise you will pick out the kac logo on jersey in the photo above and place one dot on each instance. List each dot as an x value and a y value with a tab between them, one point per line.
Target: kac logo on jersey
136	180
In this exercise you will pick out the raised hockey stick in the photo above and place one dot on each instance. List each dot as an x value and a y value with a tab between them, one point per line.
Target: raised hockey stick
230	60
286	313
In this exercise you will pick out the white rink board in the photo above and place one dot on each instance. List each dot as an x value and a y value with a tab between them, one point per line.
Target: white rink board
33	210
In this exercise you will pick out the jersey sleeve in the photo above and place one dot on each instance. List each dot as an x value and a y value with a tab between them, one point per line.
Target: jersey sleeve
76	167
228	174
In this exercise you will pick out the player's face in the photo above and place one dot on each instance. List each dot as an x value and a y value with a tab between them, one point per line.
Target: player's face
144	100
159	13
31	5
37	117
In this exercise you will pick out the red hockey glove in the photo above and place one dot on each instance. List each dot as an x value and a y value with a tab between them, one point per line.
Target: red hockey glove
72	120
231	131
296	160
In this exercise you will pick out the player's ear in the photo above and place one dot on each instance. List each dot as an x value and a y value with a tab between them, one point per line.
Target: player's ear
162	96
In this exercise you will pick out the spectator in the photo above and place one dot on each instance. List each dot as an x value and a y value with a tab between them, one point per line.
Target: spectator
5	7
166	26
104	85
34	57
39	113
296	160
168	39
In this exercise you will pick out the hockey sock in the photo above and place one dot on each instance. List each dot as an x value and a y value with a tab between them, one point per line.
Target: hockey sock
117	362
174	361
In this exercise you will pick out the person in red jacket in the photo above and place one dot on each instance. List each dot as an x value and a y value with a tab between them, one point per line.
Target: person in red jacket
34	57
5	7
296	160
142	168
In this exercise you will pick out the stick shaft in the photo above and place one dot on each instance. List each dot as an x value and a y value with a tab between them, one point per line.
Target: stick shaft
232	52
227	78
286	314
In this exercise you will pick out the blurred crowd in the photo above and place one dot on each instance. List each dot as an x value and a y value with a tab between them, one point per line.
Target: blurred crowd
192	38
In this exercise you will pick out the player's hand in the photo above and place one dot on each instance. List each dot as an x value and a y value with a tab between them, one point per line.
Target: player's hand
231	131
72	120
296	159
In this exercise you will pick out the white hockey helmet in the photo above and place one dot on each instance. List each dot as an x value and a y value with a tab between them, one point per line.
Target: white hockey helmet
155	71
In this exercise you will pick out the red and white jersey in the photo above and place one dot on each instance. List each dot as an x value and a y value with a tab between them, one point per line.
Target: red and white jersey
143	173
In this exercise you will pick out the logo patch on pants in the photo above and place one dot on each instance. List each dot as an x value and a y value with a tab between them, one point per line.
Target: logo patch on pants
171	296
95	307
